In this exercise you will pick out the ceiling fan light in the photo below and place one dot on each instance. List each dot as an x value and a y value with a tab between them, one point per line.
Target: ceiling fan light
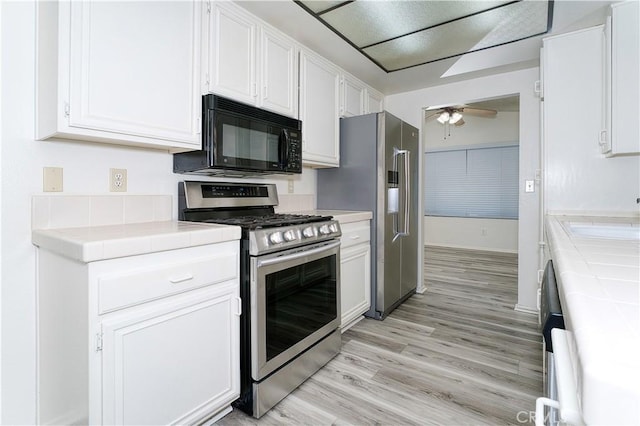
455	117
444	117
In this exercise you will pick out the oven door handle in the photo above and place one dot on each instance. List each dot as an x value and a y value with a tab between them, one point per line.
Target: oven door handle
297	255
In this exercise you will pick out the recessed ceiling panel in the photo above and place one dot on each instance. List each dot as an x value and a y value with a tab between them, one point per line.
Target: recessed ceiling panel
401	34
369	22
320	6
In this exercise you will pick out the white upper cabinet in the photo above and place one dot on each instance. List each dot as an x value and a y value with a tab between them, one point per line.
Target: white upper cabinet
319	111
352	96
120	72
374	101
232	53
625	79
248	61
573	88
278	73
357	98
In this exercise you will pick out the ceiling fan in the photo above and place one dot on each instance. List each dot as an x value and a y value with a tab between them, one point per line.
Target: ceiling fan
454	114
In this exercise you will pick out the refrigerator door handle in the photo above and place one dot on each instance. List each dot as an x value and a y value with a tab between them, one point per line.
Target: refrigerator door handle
407	190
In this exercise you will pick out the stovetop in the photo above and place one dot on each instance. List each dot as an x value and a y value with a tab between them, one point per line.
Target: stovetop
269	221
251	206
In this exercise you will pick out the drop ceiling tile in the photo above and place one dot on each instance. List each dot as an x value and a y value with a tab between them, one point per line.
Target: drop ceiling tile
522	20
402	34
321	5
369	22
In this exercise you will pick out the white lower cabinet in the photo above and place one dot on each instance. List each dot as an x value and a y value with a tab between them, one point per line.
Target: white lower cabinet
355	272
149	339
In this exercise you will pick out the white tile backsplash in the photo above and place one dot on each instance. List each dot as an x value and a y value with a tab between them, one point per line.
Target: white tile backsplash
138	209
295	203
107	210
71	211
162	208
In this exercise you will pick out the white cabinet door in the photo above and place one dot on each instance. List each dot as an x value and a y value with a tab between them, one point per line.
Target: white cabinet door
319	111
171	362
353	97
232	53
355	272
249	61
278	73
374	101
625	78
355	282
134	69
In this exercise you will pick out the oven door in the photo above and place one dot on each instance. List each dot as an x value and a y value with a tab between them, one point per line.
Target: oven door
295	302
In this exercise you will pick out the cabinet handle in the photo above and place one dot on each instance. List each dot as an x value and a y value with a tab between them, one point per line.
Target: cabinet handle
603	137
238	306
182	279
355	237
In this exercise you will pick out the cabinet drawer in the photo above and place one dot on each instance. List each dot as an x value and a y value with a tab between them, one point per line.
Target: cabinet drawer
355	233
118	291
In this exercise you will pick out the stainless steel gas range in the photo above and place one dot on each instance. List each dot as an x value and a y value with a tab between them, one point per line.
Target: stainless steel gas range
289	285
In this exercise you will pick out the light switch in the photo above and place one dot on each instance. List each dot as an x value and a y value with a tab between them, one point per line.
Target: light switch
52	179
529	186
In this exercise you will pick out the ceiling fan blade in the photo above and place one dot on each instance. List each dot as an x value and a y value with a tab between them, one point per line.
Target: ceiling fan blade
434	113
480	112
459	122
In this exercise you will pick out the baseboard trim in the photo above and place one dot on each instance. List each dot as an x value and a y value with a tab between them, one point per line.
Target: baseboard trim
455	246
352	323
525	309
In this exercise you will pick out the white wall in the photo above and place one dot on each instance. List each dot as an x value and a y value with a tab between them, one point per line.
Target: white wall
473	233
86	169
408	106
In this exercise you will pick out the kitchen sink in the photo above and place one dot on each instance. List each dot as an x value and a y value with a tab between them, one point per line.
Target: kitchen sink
622	231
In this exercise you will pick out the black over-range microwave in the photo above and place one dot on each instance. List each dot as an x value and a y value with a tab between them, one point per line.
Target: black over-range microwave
241	139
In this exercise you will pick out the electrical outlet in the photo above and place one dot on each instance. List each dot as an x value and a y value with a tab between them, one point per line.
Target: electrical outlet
290	186
528	186
118	180
52	179
483	232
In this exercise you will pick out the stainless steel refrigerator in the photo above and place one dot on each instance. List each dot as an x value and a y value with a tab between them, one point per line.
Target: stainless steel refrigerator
379	172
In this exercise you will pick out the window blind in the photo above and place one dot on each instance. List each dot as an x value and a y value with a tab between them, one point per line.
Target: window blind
478	182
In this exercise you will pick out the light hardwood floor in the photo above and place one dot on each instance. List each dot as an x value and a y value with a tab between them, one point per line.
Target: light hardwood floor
457	354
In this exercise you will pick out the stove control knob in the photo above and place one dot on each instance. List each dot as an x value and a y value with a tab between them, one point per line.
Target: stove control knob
289	235
276	238
308	232
324	230
333	228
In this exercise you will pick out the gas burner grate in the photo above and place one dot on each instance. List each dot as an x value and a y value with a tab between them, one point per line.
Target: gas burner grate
270	221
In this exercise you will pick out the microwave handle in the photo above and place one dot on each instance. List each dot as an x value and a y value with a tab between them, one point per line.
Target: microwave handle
283	140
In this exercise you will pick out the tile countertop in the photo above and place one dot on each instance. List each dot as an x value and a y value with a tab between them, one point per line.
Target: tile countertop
93	243
599	287
342	216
